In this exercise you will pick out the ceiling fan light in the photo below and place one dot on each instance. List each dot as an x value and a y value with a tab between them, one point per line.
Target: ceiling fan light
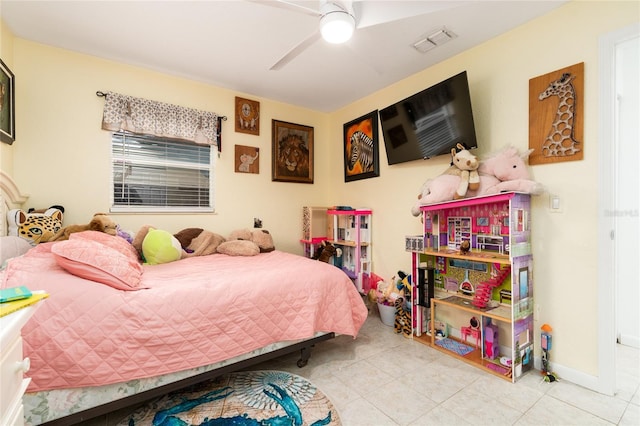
337	27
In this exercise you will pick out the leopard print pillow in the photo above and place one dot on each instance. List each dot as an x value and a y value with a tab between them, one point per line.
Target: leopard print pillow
34	227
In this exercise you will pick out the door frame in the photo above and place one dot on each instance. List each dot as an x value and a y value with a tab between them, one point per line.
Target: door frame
606	220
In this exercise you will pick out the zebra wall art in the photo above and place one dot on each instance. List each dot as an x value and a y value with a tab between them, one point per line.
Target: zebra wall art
360	148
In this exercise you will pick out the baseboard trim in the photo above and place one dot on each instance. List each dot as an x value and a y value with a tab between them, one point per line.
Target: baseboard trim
629	340
574	376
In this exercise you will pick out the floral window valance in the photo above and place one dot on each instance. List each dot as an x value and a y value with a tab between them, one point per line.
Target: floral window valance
143	116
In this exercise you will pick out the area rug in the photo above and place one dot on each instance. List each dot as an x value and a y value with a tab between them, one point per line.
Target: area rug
454	346
242	398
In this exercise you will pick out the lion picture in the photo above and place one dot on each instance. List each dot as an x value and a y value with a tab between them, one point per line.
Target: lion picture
292	152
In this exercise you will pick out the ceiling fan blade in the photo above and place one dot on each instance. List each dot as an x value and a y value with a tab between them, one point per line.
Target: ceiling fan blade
371	13
296	50
282	4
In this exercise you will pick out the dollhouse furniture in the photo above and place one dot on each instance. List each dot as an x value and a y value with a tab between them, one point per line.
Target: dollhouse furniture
491	345
498	265
485	241
473	330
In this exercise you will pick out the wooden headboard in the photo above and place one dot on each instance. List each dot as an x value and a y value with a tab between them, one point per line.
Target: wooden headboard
10	198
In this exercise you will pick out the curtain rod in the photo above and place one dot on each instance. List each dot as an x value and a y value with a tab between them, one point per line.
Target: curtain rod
104	95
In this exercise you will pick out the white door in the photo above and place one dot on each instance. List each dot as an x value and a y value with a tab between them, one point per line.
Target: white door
619	231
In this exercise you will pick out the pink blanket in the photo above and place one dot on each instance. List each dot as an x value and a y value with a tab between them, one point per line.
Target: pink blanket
196	311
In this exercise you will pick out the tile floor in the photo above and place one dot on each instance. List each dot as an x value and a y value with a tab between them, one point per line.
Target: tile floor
382	378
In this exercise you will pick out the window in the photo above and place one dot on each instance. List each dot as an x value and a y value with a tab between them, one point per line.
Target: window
152	174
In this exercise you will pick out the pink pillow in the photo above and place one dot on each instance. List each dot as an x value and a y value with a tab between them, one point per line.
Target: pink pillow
115	242
94	261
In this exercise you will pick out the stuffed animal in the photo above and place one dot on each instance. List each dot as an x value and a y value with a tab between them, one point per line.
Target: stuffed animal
468	164
35	228
453	184
244	242
160	247
100	222
505	171
325	252
191	242
198	242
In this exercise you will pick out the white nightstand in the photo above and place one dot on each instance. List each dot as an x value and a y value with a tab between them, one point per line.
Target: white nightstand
13	384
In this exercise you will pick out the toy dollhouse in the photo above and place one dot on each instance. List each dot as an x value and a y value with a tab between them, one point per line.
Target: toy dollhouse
489	281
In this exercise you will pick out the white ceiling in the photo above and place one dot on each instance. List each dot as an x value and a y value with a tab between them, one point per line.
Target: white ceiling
233	44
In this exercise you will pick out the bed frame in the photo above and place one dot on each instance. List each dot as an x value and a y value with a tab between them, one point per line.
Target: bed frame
11	197
305	352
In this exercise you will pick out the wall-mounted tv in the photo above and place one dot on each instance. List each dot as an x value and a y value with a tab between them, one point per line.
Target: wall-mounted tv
430	122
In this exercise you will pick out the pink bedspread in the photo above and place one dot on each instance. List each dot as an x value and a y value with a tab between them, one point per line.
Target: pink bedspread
196	311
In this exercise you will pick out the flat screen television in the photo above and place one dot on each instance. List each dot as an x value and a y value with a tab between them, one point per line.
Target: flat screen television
430	122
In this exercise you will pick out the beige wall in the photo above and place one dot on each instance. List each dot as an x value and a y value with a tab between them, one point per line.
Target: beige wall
62	157
564	244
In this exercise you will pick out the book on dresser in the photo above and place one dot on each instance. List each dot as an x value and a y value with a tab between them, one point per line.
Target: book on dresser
9	307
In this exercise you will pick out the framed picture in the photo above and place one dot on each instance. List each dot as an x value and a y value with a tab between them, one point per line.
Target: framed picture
556	116
361	148
246	159
247	116
292	152
7	105
482	221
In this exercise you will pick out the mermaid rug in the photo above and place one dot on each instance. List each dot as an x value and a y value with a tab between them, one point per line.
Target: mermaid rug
247	398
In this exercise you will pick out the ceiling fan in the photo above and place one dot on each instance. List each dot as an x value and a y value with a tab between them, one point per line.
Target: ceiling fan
344	17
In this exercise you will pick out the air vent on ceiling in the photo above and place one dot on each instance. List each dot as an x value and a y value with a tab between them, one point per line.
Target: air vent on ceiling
434	39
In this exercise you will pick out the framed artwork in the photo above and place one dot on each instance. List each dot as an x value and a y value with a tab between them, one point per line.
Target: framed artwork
482	221
556	116
361	154
247	116
7	105
246	159
292	152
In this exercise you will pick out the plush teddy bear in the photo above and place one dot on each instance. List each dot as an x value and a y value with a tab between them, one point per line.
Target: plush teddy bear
454	183
100	222
468	165
190	242
245	242
198	242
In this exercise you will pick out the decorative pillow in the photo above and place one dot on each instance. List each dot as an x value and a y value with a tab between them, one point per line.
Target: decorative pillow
35	228
115	242
99	262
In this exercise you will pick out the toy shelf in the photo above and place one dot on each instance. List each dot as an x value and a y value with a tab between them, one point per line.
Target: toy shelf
500	313
473	255
350	232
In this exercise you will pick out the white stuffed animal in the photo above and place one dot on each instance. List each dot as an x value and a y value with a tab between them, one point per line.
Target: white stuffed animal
454	183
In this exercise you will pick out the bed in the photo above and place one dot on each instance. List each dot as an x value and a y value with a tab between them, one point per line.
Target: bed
95	347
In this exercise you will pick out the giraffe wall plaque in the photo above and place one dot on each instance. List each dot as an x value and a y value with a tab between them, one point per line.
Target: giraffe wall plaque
556	116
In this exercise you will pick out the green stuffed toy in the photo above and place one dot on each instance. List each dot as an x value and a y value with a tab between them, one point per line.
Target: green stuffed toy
160	247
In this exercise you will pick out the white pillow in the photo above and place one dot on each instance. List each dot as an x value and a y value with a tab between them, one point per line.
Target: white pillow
12	246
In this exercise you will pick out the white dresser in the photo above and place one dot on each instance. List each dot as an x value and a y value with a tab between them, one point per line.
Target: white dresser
13	384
